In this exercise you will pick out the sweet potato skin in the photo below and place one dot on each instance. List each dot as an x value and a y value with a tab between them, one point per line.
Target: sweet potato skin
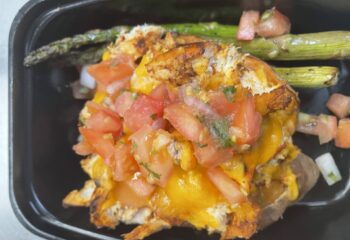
307	174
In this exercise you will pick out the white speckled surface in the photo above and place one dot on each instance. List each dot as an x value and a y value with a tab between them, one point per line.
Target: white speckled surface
10	227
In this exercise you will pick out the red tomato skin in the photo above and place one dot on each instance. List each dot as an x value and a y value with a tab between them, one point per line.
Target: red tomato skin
209	154
141	187
339	104
107	72
123	103
342	139
246	119
246	28
181	118
83	148
220	104
164	94
143	112
124	165
227	186
275	25
102	145
104	123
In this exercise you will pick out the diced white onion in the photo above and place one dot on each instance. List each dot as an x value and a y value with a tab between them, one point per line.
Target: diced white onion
86	79
328	168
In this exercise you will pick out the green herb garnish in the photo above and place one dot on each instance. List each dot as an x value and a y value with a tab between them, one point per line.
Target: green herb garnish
134	95
202	145
133	147
150	171
219	128
229	92
153	116
332	176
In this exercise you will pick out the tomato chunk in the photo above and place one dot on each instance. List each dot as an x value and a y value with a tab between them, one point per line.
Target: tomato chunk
339	104
103	144
342	139
246	121
246	28
273	23
124	102
143	112
227	186
102	122
209	154
107	72
181	118
123	164
141	187
220	104
83	148
164	94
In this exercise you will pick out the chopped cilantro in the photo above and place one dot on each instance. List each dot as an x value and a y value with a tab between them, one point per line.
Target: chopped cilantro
153	116
150	171
229	92
332	176
219	128
133	147
134	95
201	145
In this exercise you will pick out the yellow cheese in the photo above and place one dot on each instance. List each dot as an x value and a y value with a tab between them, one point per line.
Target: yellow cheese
140	82
187	196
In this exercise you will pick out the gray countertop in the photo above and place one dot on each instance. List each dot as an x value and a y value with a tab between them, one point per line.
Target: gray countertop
10	227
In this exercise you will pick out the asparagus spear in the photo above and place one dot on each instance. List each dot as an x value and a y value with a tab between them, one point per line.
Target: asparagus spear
309	77
324	45
65	45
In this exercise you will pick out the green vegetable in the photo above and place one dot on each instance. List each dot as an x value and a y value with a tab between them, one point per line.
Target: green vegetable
322	45
153	116
201	145
219	128
229	92
150	171
309	77
333	177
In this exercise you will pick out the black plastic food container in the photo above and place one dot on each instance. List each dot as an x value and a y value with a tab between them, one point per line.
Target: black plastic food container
43	115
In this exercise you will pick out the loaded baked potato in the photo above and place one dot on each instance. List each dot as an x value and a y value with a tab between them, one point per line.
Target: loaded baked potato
188	132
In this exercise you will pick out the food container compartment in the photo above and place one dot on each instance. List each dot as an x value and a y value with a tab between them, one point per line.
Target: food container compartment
43	115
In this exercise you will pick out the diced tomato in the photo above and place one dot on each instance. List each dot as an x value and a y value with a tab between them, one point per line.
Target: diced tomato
83	148
102	122
339	104
160	123
124	102
142	143
127	196
220	104
246	28
159	168
227	186
247	120
94	107
323	126
209	154
156	165
164	94
181	118
342	139
103	144
327	128
141	187
272	24
107	72
143	112
123	164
